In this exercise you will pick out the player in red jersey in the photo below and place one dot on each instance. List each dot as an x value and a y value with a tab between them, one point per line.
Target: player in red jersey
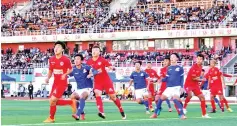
163	72
153	75
60	66
192	85
216	84
102	82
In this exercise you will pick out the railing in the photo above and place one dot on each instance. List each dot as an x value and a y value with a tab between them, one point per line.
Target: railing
18	71
229	70
205	4
123	29
40	65
131	64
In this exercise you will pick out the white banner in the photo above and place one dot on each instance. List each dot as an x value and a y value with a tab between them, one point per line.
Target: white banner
124	35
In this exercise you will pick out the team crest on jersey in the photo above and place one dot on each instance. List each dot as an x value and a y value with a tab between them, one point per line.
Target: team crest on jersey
110	90
142	74
99	63
177	69
84	71
61	63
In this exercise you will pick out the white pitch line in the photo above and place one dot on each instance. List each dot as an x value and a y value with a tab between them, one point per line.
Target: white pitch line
110	121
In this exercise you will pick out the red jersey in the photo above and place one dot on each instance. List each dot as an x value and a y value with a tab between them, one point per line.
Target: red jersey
100	63
152	74
215	75
59	67
195	71
163	72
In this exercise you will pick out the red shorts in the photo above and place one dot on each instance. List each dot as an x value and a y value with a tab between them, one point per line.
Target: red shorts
109	88
216	91
195	89
57	91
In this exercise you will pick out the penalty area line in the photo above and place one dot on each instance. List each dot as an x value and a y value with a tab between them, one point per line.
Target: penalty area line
111	121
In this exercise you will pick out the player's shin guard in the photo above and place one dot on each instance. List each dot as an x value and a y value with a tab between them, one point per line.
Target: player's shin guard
150	103
203	107
118	104
80	109
62	102
99	104
226	103
168	103
158	107
180	107
52	111
187	100
217	101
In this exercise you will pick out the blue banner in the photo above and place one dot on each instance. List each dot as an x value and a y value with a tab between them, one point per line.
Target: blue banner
22	77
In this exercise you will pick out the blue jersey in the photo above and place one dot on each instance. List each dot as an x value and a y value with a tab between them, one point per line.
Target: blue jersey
80	76
205	84
175	76
139	79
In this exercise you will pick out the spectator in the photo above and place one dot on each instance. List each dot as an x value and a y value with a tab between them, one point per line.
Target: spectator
30	89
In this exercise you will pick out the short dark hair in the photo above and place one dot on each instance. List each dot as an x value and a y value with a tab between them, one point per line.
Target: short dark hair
140	62
148	61
200	55
60	43
80	55
167	57
96	46
176	54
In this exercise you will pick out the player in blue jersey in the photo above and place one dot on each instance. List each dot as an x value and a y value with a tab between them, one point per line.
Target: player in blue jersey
139	78
174	82
82	74
204	87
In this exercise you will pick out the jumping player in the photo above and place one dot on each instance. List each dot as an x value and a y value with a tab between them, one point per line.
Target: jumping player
60	66
139	78
82	74
154	77
174	80
163	72
216	84
102	82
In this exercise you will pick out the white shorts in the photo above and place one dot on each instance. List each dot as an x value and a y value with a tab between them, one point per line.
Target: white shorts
139	93
206	94
172	91
80	91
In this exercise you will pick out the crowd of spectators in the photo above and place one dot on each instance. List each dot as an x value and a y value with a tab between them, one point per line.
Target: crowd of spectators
79	14
59	14
5	8
173	15
23	60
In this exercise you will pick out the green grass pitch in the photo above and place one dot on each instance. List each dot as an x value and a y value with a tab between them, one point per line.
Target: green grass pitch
32	113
